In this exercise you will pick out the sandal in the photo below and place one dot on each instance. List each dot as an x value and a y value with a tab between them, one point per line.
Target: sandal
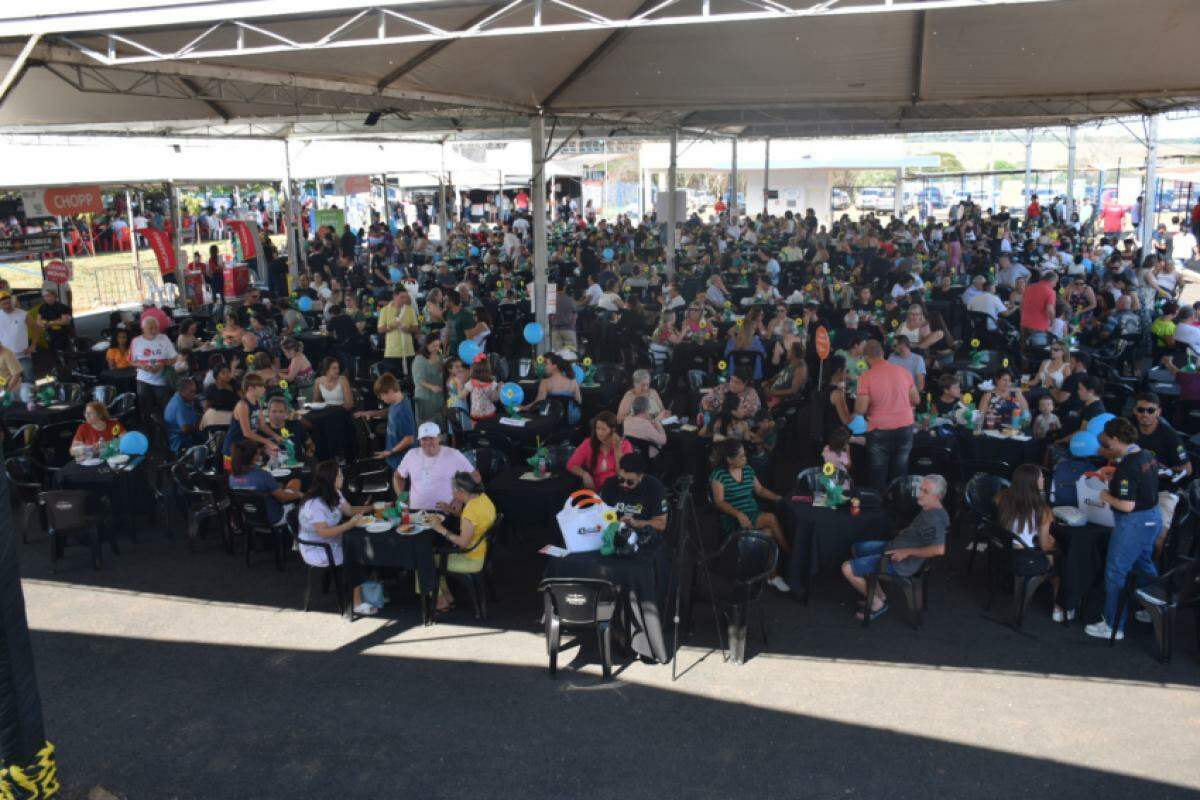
879	612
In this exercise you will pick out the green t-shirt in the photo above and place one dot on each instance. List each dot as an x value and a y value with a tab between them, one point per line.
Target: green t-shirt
458	324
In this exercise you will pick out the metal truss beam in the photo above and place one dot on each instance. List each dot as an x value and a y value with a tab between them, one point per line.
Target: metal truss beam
247	35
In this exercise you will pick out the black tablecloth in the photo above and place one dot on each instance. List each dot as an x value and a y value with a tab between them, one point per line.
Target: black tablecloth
643	576
530	502
1012	451
363	550
123	380
332	431
125	489
316	345
16	415
1085	551
821	537
527	435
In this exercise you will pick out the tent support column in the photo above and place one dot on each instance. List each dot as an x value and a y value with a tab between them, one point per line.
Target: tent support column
766	173
898	200
387	213
291	215
1150	194
176	240
1072	132
672	210
1028	166
537	141
133	245
733	183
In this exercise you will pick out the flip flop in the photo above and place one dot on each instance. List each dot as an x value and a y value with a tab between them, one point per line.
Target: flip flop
883	609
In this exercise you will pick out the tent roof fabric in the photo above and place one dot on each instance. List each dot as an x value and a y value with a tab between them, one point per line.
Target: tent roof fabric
437	68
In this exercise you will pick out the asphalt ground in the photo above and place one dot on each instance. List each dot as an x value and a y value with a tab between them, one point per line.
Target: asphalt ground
171	674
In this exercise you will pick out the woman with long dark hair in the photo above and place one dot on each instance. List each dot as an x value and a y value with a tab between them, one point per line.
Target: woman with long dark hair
596	459
324	517
735	488
1024	512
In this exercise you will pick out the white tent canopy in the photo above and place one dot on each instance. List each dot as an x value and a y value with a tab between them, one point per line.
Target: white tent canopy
614	67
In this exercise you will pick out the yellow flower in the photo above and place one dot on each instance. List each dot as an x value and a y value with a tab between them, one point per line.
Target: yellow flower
284	432
283	384
3	381
741	322
721	365
610	516
974	343
1004	363
808	288
862	364
879	304
541	359
728	304
587	361
420	319
220	326
895	323
968	399
829	469
703	324
799	322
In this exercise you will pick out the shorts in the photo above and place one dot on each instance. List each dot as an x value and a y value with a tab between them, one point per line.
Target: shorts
865	558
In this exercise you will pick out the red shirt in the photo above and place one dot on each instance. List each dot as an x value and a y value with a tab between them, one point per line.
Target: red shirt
1034	210
1033	306
1113	215
88	435
606	465
887	386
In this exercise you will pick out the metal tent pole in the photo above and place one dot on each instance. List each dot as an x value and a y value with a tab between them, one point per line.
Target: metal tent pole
137	257
1149	201
387	213
672	210
766	173
1028	166
177	240
733	183
1072	132
898	200
291	210
537	141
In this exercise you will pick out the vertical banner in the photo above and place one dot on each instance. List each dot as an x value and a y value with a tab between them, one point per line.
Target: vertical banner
245	244
160	243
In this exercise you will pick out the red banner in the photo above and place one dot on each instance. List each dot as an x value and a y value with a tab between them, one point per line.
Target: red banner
163	251
245	237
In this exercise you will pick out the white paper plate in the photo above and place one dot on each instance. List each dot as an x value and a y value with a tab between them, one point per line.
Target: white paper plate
281	473
118	459
316	406
91	462
379	527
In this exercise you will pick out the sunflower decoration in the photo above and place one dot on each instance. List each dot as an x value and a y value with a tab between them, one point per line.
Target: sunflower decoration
729	304
703	325
610	516
968	399
3	382
895	323
420	319
829	469
220	326
740	322
283	385
879	304
541	359
1004	363
799	322
587	361
285	433
808	288
721	365
862	364
974	343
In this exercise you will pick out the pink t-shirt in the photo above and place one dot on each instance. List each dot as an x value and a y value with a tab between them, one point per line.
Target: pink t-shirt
606	466
429	479
887	386
1034	304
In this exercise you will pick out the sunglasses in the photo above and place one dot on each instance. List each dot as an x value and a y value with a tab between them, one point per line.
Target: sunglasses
628	483
1146	410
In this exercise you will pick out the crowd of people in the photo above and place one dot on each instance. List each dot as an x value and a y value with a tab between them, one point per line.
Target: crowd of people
873	329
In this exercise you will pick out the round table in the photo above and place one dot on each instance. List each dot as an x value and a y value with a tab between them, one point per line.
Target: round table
1085	553
525	436
821	538
332	429
530	502
364	550
124	486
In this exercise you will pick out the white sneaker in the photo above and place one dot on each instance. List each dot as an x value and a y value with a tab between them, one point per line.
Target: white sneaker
779	584
1058	615
1142	615
365	610
1100	630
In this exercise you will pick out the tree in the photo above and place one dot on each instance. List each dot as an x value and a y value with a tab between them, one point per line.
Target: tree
949	163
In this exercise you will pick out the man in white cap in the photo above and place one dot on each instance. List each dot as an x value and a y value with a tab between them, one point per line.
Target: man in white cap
430	468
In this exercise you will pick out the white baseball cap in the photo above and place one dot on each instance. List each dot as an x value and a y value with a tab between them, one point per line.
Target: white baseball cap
428	429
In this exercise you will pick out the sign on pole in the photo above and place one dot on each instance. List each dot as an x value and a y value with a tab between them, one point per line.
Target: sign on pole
59	272
822	343
62	201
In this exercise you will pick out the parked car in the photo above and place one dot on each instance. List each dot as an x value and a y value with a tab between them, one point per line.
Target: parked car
839	199
869	199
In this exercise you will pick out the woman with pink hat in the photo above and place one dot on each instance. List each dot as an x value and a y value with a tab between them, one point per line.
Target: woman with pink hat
152	352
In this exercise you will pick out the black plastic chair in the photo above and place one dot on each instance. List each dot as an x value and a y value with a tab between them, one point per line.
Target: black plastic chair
557	457
26	480
1161	597
489	461
808	482
104	393
912	587
1029	568
54	443
477	583
251	510
201	503
21	441
74	514
738	574
330	573
979	500
367	479
901	500
578	603
124	409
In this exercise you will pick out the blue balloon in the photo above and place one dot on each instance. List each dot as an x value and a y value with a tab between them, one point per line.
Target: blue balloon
534	333
1085	444
467	350
395	274
474	251
304	303
134	443
858	425
512	394
608	254
578	371
1096	424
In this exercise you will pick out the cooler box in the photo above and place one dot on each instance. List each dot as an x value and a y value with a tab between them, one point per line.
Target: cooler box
195	286
237	280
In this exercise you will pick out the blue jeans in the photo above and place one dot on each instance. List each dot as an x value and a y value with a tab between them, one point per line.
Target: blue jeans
888	452
1130	547
864	558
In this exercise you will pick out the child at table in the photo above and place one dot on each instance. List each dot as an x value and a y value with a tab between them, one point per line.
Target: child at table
837	449
1047	422
482	390
457	400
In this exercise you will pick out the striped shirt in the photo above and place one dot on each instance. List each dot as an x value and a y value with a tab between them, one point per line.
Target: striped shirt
740	495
